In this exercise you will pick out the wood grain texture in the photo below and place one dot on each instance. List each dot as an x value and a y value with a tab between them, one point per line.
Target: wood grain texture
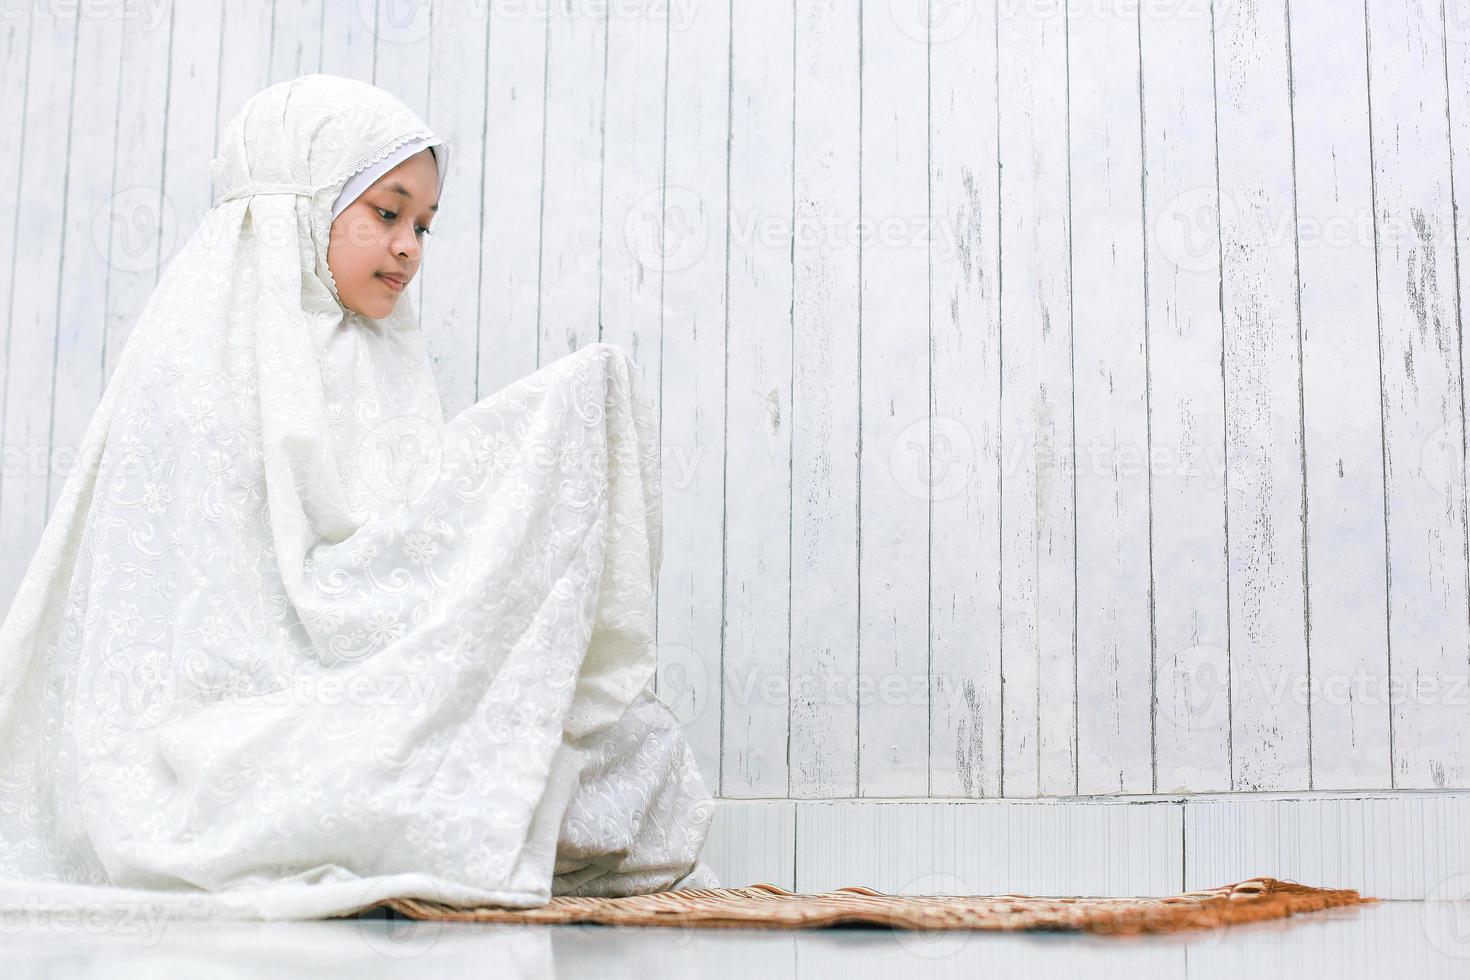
89	206
1423	394
1110	375
1186	400
1392	845
824	403
32	328
961	475
755	665
695	337
455	107
1037	556
511	194
1343	421
1054	400
895	384
577	206
1265	503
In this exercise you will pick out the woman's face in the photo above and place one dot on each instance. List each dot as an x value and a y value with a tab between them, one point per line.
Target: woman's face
379	237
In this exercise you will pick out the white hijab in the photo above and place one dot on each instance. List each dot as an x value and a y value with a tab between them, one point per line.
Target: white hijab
268	507
361	181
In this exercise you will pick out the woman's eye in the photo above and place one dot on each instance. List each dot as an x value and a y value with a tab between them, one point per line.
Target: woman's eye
391	216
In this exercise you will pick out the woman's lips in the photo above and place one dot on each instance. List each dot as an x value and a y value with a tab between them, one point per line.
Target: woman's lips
394	284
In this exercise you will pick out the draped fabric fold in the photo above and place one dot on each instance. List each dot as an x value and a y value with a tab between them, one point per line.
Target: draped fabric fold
291	642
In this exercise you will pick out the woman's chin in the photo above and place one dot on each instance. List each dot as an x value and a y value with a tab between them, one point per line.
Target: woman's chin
375	309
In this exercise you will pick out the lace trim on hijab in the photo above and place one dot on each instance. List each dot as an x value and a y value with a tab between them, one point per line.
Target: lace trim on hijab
322	216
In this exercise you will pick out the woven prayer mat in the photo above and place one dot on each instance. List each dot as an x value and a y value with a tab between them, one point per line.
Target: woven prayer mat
770	906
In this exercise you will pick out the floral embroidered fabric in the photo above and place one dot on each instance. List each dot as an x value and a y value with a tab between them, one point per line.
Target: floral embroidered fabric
291	642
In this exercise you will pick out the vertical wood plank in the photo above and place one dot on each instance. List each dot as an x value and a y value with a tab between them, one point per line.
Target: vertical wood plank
633	189
1423	393
32	325
511	196
994	847
14	64
1186	401
244	54
137	209
15	34
693	261
296	39
1038	513
895	389
579	235
85	236
1405	847
958	468
823	403
1114	642
453	259
751	841
1346	550
403	49
348	37
756	666
1454	27
891	424
189	143
1270	721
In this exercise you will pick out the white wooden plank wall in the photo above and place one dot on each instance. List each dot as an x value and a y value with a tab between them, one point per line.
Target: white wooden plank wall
1400	845
1047	395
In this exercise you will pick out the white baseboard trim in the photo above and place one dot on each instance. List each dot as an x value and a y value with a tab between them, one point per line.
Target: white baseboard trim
1393	845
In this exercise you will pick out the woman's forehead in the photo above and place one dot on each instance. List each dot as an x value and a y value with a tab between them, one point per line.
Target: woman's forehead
402	181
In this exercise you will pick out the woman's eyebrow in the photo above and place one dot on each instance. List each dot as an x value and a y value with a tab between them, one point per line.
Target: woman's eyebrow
403	191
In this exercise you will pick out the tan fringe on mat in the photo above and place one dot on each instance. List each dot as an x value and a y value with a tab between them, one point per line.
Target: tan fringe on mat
769	906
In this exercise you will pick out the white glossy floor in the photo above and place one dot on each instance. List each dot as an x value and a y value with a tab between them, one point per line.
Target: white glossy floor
1418	940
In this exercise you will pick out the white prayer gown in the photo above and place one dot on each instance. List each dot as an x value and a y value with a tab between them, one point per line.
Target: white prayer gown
291	643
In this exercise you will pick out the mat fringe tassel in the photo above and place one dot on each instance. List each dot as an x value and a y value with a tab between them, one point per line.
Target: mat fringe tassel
769	906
